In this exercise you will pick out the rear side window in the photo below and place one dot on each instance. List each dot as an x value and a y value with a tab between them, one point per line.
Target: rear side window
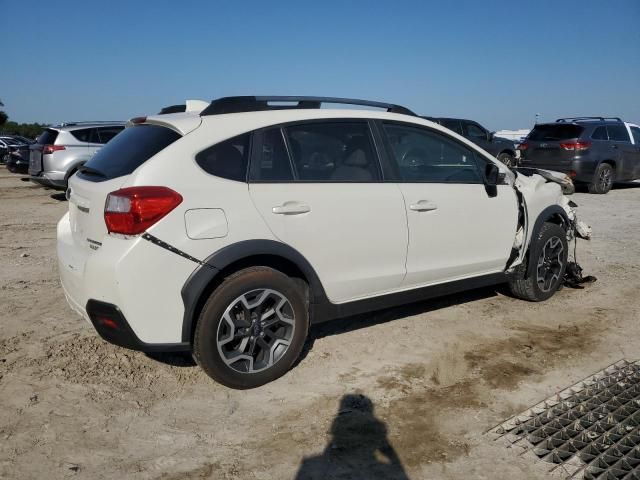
48	137
333	152
227	159
129	150
83	134
636	135
426	156
600	133
618	133
554	132
272	164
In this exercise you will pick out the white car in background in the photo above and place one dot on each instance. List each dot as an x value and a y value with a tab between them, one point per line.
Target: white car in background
229	231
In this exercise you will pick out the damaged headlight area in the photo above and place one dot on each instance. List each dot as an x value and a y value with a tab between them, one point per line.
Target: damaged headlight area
565	182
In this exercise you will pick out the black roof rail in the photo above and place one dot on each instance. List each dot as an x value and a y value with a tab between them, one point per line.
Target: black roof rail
261	103
173	109
589	119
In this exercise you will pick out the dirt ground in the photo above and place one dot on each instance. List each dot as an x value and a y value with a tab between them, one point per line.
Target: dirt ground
403	393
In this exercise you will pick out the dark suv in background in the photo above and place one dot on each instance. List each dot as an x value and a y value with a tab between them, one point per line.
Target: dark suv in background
597	151
501	148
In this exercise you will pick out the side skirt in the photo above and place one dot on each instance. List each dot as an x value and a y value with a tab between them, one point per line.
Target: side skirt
322	312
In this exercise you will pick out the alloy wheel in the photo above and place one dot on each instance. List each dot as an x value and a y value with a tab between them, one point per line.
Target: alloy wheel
256	330
550	263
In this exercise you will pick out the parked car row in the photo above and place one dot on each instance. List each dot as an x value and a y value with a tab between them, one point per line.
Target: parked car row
14	149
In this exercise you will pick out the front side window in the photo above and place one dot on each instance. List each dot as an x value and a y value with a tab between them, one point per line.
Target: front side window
84	134
227	159
474	131
107	133
333	152
618	133
600	133
425	156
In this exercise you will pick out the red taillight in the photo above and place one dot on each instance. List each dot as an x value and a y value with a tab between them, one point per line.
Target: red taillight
572	173
52	148
578	146
133	210
523	146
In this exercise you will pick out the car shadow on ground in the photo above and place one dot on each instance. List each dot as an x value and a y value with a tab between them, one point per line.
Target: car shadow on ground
358	447
582	187
365	320
355	322
60	196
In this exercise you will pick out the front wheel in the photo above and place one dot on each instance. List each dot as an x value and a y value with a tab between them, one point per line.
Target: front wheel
549	254
252	328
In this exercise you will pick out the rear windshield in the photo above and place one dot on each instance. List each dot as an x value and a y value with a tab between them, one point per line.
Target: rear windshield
127	151
48	137
550	133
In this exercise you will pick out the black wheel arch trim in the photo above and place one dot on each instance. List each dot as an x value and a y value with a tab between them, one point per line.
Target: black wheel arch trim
545	215
200	279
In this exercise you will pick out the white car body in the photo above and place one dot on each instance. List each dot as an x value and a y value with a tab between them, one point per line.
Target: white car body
364	240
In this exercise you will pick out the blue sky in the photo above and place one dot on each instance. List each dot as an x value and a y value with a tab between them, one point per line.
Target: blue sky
499	62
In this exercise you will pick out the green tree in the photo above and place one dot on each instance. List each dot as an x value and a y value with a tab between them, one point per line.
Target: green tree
3	116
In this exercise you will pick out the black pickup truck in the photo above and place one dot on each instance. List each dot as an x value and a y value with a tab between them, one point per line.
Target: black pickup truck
503	149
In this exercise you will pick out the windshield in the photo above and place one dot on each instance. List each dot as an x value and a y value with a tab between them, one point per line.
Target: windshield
554	132
127	151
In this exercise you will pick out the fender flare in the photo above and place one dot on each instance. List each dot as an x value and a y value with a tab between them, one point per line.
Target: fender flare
545	215
209	270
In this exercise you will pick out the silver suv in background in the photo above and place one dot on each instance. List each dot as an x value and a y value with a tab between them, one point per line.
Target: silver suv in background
60	150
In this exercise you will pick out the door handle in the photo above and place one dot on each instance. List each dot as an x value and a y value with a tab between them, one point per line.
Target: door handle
423	206
615	147
291	208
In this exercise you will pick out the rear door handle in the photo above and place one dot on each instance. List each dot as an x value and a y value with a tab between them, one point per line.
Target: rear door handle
423	206
291	208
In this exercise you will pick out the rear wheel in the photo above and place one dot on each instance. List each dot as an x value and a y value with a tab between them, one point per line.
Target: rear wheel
252	328
602	180
507	159
549	254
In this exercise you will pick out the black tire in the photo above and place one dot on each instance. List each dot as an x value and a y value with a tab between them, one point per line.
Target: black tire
211	356
528	287
602	180
508	159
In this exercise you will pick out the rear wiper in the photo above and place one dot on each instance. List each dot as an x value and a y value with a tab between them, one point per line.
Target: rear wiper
90	171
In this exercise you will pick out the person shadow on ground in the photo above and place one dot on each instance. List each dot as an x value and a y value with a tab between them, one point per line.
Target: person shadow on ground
358	447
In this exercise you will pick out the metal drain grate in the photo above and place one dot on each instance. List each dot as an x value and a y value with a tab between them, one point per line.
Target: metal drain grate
590	430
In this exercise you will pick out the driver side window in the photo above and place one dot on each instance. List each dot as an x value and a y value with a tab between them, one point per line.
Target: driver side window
426	156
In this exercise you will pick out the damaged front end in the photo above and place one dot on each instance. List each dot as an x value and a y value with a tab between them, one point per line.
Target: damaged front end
542	196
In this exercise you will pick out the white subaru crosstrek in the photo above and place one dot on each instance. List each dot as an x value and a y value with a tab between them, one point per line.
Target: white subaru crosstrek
228	231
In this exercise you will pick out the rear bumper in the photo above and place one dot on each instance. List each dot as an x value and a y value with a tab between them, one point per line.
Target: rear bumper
113	327
137	283
50	179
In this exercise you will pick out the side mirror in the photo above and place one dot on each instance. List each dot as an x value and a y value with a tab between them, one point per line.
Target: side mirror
490	136
491	174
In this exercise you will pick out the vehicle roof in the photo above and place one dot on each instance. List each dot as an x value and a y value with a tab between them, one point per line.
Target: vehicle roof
245	121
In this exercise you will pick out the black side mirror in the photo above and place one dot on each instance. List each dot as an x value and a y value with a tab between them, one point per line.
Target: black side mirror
491	178
491	174
490	136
